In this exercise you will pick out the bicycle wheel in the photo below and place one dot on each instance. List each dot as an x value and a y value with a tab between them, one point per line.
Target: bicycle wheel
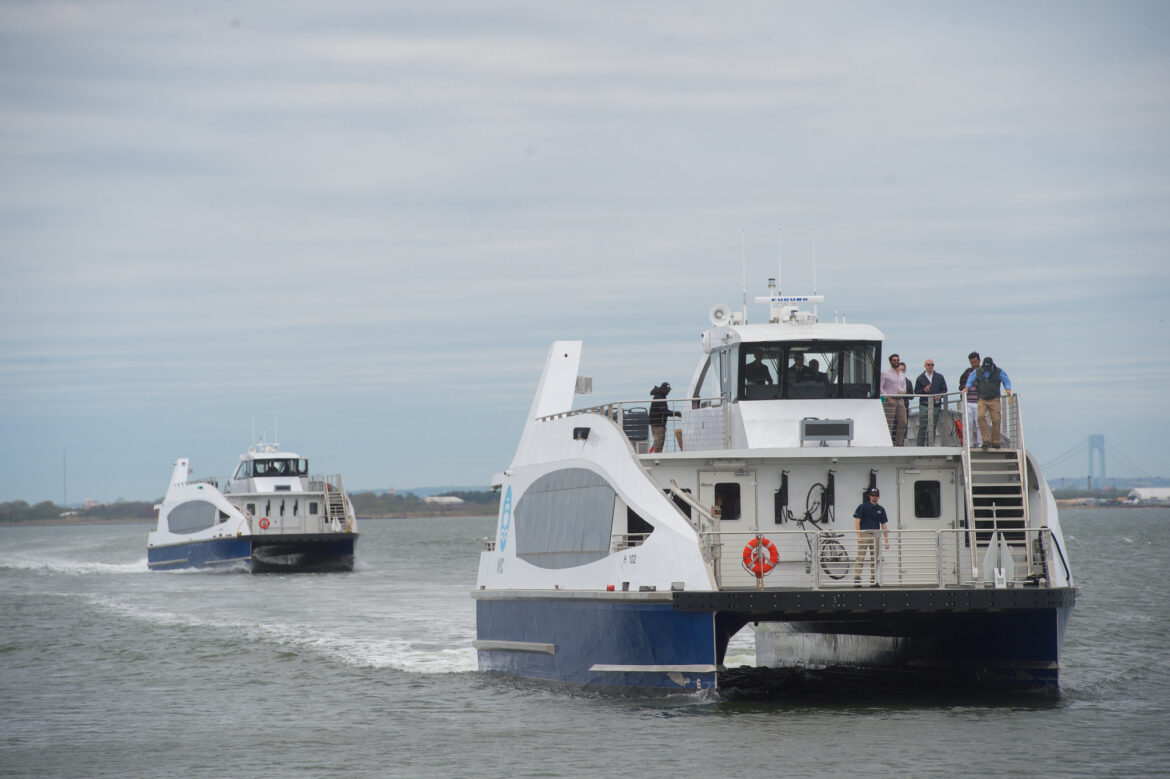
834	558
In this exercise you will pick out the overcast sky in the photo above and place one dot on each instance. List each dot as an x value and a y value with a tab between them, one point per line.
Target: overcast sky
358	225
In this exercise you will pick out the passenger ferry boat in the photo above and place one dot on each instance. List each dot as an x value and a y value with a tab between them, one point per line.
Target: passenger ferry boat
270	516
617	566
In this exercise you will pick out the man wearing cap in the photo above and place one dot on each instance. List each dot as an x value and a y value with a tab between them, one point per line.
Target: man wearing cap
871	523
986	381
659	411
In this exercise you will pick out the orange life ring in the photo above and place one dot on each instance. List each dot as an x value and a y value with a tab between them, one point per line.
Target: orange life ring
760	556
263	523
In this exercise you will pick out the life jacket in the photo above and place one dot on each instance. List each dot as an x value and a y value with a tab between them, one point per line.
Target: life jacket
988	386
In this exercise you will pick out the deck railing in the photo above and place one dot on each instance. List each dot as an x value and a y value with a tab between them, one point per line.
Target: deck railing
691	424
810	559
701	424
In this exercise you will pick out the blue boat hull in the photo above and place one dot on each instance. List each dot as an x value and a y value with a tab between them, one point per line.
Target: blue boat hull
608	642
986	650
260	554
603	642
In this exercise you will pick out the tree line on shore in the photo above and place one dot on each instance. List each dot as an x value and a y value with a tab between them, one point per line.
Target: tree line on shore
365	504
21	511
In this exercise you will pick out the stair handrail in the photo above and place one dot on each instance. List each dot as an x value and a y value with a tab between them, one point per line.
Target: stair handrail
969	492
1022	462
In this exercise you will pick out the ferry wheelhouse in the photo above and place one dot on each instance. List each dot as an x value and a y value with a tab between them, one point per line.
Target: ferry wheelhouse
271	515
614	565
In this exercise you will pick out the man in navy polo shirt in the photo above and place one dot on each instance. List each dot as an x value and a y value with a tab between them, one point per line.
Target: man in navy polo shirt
871	524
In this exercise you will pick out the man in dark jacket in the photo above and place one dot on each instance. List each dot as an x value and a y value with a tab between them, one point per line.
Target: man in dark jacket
659	411
929	410
986	381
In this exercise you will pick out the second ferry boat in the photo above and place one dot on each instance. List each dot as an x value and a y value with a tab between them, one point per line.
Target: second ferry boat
617	563
271	516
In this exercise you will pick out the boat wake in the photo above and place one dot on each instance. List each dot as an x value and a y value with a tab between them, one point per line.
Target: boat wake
70	567
420	653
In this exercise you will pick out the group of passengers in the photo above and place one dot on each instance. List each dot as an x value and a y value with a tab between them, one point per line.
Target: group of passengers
982	384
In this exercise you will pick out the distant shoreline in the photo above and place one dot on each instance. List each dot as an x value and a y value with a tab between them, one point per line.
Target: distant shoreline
68	521
79	521
1068	506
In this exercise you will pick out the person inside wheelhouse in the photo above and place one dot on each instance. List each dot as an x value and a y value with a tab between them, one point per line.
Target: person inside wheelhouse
807	370
282	466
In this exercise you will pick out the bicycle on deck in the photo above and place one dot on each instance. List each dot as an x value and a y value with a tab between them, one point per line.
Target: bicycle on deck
833	558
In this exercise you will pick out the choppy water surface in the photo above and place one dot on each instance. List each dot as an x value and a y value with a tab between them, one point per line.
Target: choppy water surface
107	669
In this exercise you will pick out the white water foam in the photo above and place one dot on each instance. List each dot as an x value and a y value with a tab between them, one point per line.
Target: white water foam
450	654
71	567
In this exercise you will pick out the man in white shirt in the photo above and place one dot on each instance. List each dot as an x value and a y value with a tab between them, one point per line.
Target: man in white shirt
894	383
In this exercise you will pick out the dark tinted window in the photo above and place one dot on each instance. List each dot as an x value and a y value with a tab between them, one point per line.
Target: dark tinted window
727	500
927	499
807	369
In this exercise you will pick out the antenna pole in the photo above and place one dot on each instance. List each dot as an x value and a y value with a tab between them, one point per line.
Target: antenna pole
64	480
779	286
814	232
743	265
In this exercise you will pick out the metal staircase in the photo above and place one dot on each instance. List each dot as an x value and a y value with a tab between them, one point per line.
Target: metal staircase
996	496
996	493
335	504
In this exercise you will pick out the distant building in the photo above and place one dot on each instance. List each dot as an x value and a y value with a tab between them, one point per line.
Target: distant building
444	500
1150	494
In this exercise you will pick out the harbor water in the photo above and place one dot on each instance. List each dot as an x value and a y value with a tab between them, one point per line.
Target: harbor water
107	669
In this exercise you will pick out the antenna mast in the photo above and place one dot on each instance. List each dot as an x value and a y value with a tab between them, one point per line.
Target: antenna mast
779	286
743	266
814	232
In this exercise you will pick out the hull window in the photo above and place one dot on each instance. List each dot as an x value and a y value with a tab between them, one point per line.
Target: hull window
564	519
191	517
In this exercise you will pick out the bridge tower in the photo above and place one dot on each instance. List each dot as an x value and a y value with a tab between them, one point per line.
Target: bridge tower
1097	446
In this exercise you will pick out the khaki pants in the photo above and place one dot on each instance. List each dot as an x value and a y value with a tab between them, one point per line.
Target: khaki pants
896	419
989	408
659	437
867	545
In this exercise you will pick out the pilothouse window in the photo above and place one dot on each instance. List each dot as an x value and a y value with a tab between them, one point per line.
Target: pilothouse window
804	370
283	466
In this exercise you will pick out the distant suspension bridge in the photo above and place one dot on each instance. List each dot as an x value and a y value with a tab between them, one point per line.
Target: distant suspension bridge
1096	446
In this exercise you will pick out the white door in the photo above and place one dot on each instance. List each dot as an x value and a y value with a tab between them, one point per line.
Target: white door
732	496
927	518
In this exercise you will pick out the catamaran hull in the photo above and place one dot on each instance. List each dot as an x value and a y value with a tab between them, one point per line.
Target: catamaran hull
678	645
597	642
992	651
299	553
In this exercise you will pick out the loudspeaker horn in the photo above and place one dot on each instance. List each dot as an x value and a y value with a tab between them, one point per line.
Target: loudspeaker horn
719	314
